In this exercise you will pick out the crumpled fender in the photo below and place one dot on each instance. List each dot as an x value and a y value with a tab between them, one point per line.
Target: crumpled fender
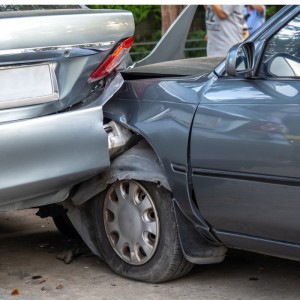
139	163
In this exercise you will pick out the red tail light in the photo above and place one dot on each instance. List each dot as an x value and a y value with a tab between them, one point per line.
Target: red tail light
112	61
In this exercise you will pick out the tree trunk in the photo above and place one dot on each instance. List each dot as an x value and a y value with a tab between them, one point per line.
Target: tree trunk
168	14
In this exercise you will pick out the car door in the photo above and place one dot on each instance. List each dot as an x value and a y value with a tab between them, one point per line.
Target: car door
245	148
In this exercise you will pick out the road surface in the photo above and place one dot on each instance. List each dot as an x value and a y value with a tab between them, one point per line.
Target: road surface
29	268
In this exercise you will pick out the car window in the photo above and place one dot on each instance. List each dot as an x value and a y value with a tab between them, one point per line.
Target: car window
282	54
4	7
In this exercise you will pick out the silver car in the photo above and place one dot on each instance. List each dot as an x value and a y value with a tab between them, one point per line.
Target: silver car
52	67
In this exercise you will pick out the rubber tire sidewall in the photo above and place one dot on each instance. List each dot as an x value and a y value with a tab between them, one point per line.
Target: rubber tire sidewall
159	267
65	226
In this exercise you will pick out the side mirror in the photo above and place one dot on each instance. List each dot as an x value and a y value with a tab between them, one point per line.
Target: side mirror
239	60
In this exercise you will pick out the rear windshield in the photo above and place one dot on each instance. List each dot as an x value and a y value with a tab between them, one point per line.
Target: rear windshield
38	7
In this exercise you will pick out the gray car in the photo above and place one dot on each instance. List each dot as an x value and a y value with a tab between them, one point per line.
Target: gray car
158	165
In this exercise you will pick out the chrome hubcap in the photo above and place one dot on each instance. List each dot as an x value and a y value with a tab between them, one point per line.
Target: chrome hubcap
131	222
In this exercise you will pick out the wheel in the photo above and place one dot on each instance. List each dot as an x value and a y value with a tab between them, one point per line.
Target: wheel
137	232
65	226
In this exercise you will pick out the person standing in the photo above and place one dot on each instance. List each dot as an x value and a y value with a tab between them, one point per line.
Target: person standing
255	16
224	26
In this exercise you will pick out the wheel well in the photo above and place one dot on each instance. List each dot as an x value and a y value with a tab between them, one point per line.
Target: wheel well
139	163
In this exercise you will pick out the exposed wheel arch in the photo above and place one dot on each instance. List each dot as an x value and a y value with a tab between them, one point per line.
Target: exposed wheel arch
129	165
139	162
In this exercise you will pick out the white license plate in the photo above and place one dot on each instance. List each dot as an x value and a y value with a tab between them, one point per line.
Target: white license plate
27	85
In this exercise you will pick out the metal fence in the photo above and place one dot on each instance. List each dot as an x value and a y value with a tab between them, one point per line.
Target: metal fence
193	48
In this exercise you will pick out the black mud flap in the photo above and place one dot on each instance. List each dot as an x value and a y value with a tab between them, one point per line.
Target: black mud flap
195	247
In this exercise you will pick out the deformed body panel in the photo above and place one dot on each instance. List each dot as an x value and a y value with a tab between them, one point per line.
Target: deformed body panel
49	144
44	155
155	108
72	42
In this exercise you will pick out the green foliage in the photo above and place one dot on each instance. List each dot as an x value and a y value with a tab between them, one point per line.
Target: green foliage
140	12
149	13
272	10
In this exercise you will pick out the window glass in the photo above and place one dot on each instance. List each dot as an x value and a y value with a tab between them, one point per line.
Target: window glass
282	54
5	7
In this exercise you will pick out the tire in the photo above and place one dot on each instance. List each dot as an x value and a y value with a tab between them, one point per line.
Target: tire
137	232
65	226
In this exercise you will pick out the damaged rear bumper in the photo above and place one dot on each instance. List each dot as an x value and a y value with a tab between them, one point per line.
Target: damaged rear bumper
42	158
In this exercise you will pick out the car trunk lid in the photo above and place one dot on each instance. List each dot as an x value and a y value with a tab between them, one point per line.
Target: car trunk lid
63	46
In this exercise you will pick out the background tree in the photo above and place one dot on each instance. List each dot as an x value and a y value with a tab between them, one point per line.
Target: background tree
168	14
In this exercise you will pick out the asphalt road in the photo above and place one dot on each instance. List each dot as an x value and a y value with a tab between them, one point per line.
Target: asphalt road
29	268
